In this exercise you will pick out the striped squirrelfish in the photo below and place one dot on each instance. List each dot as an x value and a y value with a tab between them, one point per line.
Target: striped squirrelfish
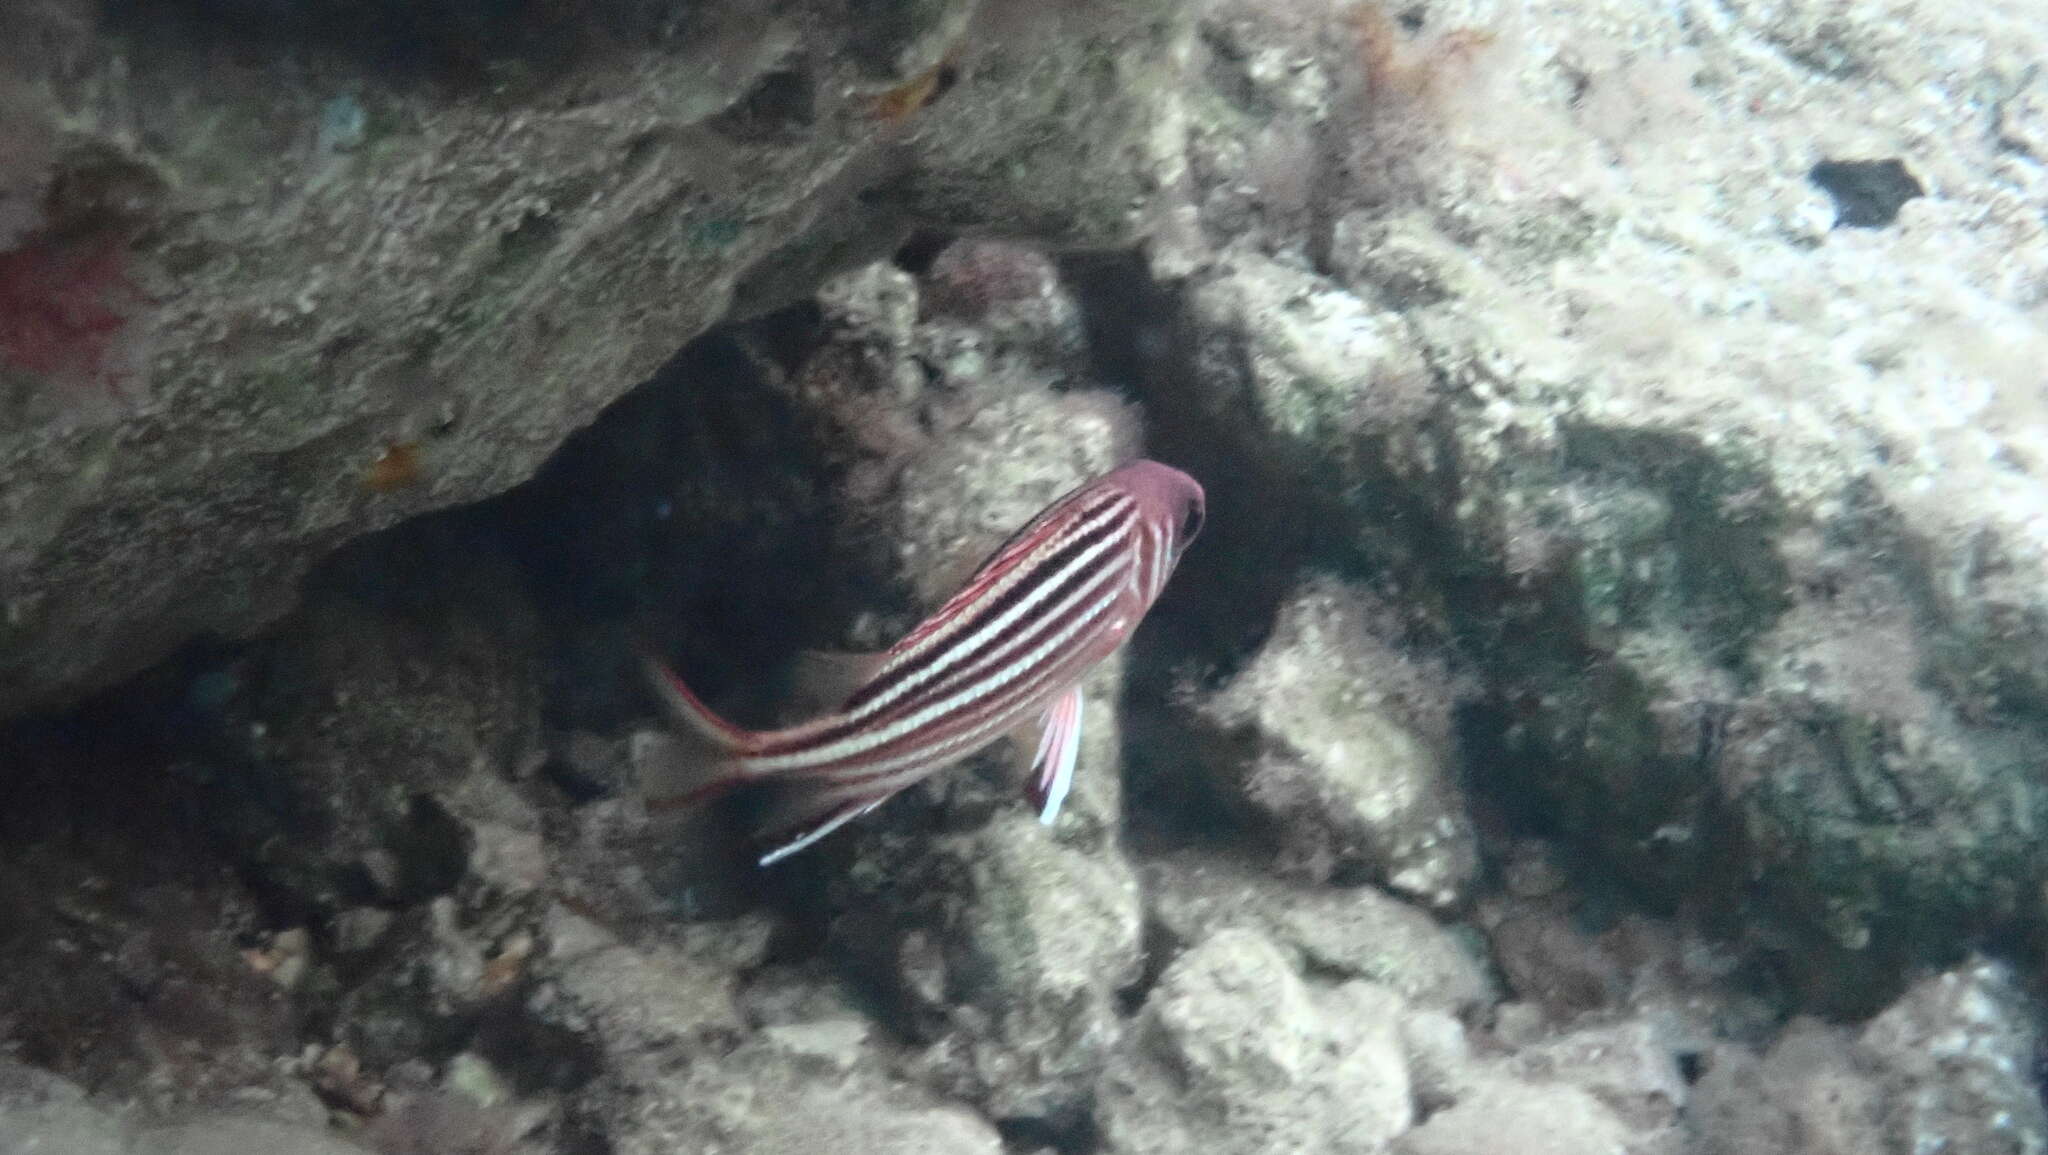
1009	649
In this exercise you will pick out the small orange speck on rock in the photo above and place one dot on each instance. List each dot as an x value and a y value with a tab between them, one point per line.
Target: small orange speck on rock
900	102
397	467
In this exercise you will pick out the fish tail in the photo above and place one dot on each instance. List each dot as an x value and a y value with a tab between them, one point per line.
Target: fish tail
701	758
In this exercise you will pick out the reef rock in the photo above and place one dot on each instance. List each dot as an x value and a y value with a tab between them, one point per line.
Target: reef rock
1350	933
1005	942
1234	1054
1943	1069
1614	1088
233	1135
1730	488
667	1067
1340	741
1510	1118
44	1115
1004	951
41	1112
1623	448
280	274
1631	1068
366	752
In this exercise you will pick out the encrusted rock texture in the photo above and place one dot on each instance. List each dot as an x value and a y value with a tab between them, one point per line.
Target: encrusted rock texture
276	273
1603	713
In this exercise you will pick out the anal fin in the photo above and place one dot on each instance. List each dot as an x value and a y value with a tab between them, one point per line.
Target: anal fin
801	816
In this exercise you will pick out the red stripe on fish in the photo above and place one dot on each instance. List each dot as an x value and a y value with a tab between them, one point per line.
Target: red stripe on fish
991	699
999	586
1047	606
1022	613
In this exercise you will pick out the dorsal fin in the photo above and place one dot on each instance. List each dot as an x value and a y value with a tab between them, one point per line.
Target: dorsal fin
822	680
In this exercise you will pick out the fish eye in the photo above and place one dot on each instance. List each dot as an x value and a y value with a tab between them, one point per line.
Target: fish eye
1190	524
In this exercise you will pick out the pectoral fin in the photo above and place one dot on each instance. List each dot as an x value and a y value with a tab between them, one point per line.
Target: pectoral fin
1059	744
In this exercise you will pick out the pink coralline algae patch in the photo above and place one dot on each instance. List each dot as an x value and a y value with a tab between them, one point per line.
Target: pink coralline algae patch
971	277
63	307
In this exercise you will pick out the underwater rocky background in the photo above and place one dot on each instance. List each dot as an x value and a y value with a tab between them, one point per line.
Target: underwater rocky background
1605	712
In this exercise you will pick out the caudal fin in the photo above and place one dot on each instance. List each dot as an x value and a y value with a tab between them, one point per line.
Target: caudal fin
698	760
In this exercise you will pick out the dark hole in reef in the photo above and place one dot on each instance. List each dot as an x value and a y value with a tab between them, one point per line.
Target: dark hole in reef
1412	18
1261	525
432	848
582	781
787	337
1264	522
781	103
655	527
465	42
2040	1071
580	1139
114	908
1065	1135
537	1057
1867	193
917	254
1159	949
1691	1065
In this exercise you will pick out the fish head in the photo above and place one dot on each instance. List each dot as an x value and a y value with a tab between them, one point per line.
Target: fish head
1170	507
1193	508
1166	498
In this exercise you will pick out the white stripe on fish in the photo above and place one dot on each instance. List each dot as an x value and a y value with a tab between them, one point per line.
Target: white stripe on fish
1053	601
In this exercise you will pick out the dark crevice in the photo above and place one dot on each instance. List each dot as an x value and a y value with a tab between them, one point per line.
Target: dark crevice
1158	950
1068	1136
121	927
466	43
1263	521
1272	516
432	850
539	1058
655	525
1691	1066
1263	524
1867	193
916	255
780	105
